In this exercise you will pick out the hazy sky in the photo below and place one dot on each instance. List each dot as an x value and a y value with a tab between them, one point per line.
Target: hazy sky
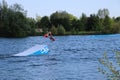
75	7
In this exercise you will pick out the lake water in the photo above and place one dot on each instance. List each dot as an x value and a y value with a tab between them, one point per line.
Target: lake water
70	57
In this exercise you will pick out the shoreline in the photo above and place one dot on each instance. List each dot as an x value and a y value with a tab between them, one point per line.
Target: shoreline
66	34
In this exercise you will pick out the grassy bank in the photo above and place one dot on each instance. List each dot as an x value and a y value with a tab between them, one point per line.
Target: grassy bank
84	33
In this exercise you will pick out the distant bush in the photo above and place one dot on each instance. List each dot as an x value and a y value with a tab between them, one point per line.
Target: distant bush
60	30
54	30
116	28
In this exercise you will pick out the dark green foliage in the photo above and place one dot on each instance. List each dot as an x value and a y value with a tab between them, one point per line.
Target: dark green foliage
117	19
45	23
93	23
31	26
83	21
14	23
115	27
62	18
17	25
76	25
107	25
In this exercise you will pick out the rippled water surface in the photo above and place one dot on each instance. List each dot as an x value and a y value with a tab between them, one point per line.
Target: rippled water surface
70	57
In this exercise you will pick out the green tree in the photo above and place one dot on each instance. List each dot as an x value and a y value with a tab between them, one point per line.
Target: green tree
13	20
115	27
60	30
93	23
54	30
17	25
90	25
76	25
99	24
45	23
3	18
62	18
38	18
107	24
117	19
18	21
31	26
83	20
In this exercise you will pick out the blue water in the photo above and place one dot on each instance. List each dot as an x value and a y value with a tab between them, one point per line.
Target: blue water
70	57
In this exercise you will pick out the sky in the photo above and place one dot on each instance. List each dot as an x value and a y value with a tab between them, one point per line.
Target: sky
75	7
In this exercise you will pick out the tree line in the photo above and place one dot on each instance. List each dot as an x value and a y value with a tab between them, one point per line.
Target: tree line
15	23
